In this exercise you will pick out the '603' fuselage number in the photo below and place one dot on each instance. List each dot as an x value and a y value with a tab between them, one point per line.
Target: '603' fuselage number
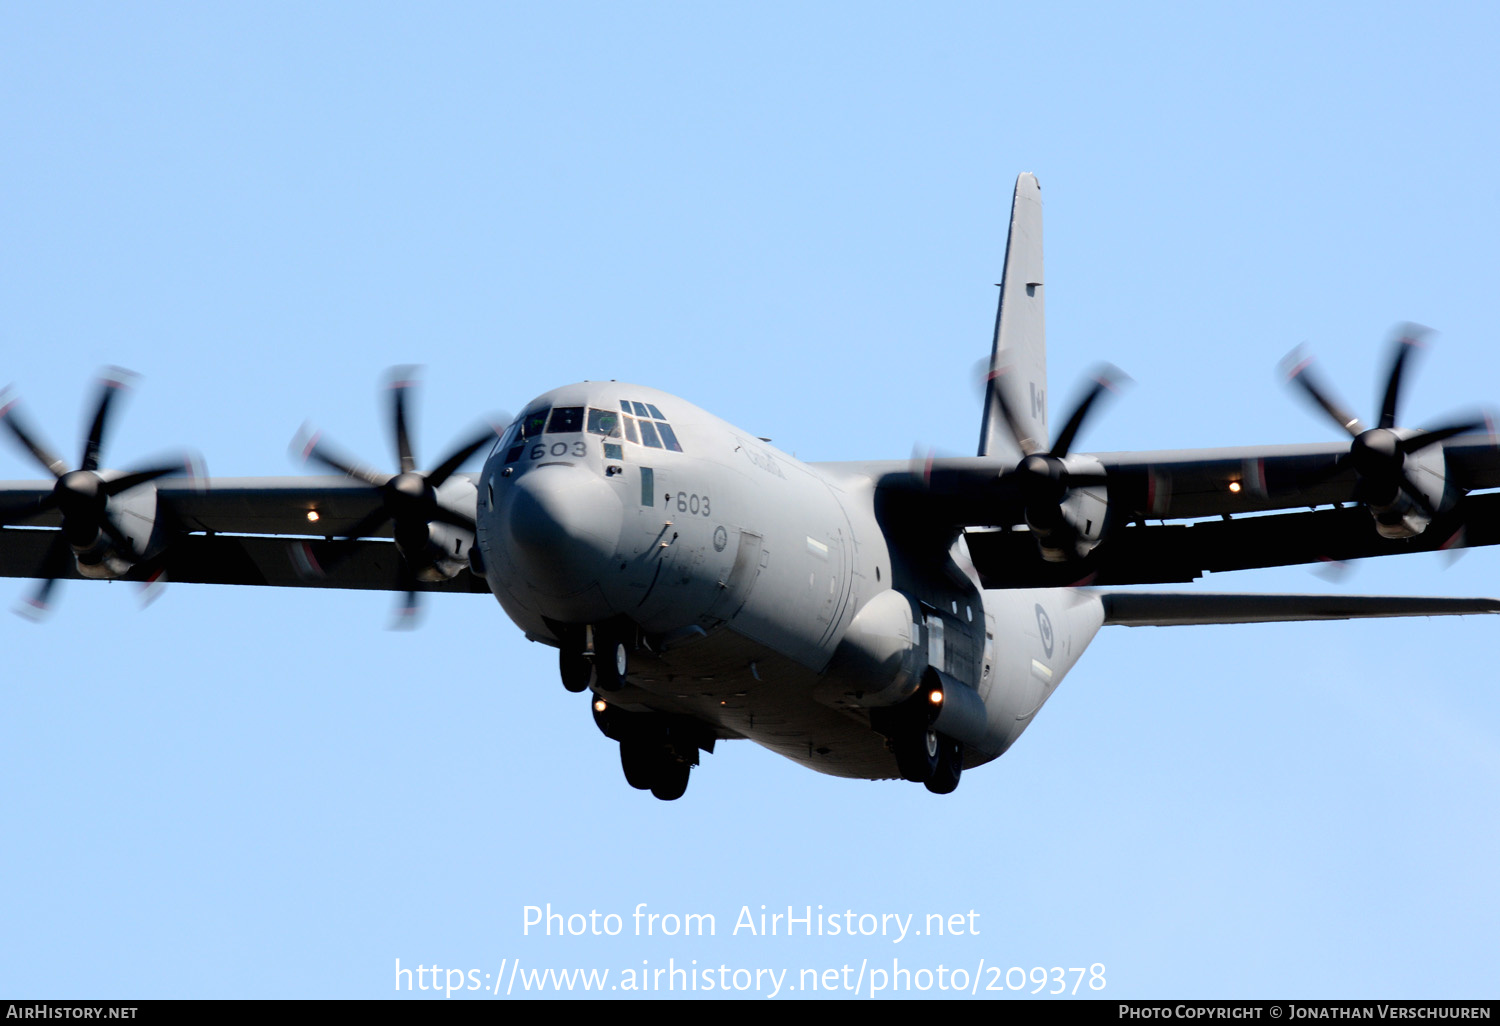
687	502
541	449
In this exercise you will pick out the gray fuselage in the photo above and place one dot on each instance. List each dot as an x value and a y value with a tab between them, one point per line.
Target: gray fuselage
770	601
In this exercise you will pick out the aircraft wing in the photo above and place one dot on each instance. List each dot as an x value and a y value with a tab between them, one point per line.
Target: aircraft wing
1175	515
237	531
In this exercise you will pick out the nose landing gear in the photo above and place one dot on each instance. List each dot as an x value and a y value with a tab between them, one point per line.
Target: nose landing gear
611	658
576	668
597	655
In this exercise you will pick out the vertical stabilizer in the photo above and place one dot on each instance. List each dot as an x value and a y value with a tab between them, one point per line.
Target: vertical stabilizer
1018	361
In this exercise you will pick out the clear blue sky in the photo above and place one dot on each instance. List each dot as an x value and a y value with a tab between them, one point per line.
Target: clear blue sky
792	215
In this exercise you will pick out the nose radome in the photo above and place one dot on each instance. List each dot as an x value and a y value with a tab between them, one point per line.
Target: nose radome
565	526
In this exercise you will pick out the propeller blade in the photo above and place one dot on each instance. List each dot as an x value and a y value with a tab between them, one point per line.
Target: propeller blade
408	612
152	588
1454	549
919	467
407	499
1334	469
334	553
408	606
21	512
35	607
311	446
1420	441
1331	570
367	527
1416	496
1107	378
1024	442
134	479
1297	366
11	416
54	565
114	380
458	456
402	380
1411	338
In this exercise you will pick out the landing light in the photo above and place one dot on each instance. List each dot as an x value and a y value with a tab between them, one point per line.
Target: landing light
935	696
600	705
1234	486
312	516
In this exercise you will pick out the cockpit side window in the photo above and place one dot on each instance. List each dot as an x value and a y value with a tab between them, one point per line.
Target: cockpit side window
507	441
565	420
668	436
651	425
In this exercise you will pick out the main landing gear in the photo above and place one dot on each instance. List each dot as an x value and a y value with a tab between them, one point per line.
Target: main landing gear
922	754
595	655
657	751
656	768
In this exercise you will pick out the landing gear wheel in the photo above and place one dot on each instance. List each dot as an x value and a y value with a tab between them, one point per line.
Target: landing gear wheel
639	760
671	780
944	779
611	661
917	752
652	766
575	668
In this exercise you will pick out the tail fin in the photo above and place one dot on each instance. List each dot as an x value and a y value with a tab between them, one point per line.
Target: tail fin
1018	361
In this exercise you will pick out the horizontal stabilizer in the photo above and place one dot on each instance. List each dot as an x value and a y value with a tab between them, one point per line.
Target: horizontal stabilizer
1187	608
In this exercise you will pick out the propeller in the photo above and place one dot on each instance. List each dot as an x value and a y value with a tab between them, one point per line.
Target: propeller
408	498
1043	477
81	496
1378	454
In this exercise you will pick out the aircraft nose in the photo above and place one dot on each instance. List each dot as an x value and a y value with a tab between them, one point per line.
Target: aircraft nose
564	524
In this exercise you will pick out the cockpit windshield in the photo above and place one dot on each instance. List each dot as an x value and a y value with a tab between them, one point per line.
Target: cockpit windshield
639	423
565	420
604	422
532	423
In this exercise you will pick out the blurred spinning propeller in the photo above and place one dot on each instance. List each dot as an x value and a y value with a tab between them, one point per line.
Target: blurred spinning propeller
408	498
1378	455
82	497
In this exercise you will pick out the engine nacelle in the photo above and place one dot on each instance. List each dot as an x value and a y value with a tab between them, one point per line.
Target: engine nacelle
436	551
880	658
99	555
1425	471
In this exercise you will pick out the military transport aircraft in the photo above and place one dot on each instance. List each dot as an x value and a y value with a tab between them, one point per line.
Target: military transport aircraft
905	618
